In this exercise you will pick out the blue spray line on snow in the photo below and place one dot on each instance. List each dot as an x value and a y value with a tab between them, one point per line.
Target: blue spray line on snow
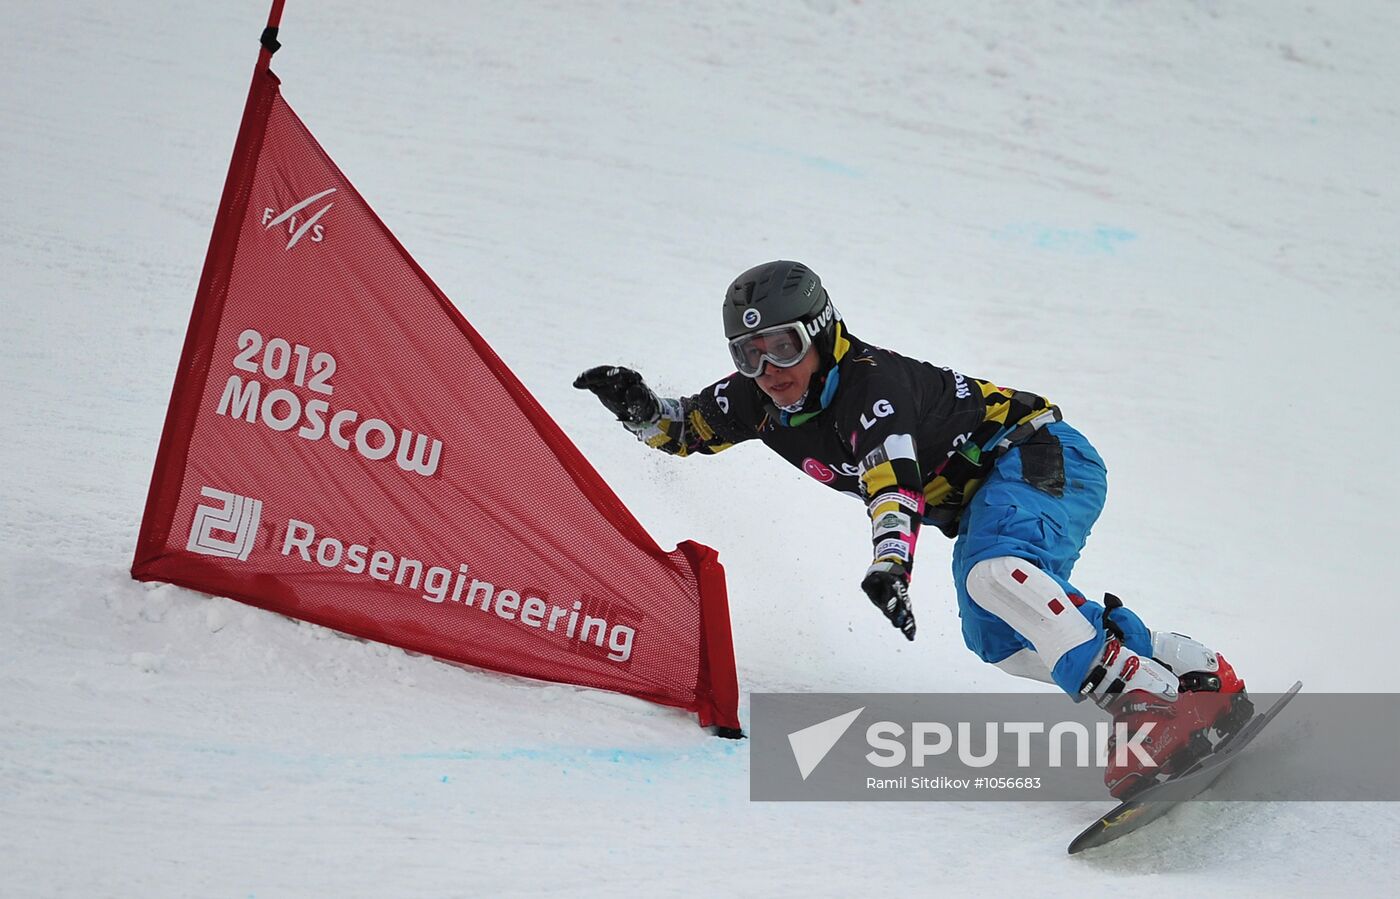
1099	240
638	763
821	163
555	755
710	752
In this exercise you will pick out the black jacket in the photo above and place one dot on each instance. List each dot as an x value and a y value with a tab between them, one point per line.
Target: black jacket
907	438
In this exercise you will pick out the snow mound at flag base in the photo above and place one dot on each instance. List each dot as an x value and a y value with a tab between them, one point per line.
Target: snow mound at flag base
169	743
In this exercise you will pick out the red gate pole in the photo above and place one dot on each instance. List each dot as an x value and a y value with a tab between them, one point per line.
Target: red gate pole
269	35
190	378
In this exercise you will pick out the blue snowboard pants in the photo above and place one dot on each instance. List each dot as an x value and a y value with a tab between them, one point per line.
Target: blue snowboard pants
1016	512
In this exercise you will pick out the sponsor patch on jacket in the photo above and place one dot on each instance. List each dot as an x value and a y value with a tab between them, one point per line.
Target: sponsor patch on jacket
879	505
892	548
892	521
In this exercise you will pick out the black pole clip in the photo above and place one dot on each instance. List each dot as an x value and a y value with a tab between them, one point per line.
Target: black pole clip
269	40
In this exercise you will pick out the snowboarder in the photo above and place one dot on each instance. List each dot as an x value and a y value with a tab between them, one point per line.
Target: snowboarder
996	469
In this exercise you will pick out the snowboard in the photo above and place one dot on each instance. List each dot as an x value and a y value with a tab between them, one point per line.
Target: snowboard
1159	799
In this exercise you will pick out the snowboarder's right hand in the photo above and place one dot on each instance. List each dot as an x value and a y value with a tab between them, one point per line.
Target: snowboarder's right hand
623	391
887	585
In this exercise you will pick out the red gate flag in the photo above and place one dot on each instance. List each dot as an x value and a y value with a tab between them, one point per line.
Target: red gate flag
343	447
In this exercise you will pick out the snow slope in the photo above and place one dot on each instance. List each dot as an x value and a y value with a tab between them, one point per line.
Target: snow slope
1178	220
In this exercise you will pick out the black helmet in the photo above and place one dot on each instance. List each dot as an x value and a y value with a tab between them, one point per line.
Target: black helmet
777	313
774	293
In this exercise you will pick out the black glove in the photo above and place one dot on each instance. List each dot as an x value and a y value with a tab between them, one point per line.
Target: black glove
887	585
624	393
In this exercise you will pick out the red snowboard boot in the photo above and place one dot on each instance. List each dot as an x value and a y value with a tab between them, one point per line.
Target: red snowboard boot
1168	711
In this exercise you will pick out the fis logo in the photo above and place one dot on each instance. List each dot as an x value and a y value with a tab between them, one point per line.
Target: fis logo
227	530
296	227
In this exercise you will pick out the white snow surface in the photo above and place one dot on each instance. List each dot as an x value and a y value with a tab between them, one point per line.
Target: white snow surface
1179	220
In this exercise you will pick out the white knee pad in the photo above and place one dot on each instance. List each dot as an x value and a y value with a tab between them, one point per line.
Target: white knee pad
1032	602
1026	663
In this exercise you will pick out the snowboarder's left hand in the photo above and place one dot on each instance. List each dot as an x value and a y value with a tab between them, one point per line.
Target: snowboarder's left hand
887	585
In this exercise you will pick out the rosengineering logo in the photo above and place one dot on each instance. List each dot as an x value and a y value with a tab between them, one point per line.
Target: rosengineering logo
604	627
227	530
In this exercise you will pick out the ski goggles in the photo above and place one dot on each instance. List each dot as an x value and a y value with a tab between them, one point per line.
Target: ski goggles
782	345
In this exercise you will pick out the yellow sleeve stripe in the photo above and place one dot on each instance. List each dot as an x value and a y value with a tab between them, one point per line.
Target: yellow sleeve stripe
937	490
701	426
879	478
